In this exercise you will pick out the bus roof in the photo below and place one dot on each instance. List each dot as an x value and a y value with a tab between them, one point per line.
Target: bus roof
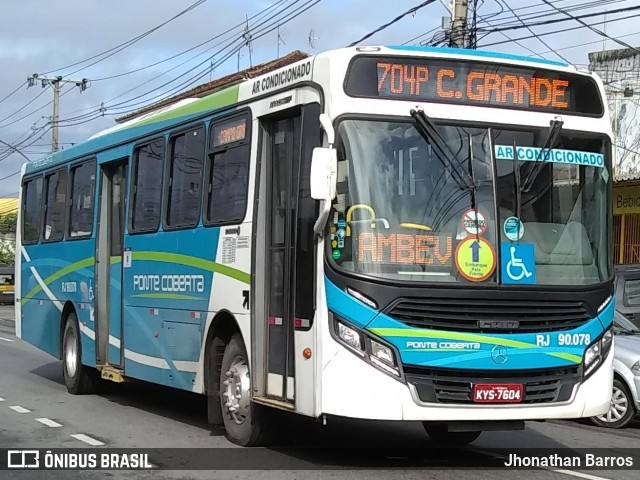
188	109
478	54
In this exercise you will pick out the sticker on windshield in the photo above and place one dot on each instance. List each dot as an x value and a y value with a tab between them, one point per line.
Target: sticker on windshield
513	229
474	222
534	154
475	259
518	263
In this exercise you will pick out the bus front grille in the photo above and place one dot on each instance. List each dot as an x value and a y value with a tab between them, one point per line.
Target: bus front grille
440	385
490	315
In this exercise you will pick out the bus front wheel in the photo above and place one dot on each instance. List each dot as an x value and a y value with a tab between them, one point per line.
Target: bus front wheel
244	421
440	434
78	378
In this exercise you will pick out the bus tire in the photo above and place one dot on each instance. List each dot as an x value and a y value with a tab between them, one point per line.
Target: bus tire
440	434
244	421
78	378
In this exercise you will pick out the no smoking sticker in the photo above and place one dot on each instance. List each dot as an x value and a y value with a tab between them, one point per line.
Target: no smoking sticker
474	222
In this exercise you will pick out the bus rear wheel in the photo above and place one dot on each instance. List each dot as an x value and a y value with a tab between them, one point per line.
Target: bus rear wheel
440	434
78	378
244	421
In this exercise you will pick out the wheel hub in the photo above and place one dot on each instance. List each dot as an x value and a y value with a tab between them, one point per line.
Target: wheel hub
617	407
71	355
237	390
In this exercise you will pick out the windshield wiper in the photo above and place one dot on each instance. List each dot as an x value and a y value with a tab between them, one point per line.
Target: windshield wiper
428	131
517	187
555	128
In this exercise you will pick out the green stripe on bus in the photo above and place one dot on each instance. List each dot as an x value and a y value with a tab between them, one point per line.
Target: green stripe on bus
194	262
149	256
167	296
87	262
469	337
216	100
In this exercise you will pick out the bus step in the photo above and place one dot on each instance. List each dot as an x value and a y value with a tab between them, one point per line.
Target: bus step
111	373
272	402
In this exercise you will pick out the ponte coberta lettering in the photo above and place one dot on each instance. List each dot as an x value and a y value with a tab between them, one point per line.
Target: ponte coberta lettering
168	283
281	78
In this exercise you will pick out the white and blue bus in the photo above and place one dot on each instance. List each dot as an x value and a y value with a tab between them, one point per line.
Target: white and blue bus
394	233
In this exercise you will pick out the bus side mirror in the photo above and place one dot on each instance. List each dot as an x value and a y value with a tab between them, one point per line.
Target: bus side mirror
324	166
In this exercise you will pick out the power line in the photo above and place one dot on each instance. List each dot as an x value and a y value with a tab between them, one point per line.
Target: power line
395	20
239	43
559	20
593	29
129	72
561	31
506	4
282	20
126	44
14	92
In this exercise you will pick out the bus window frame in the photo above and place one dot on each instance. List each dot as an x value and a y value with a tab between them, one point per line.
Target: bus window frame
26	180
167	175
133	179
212	151
72	166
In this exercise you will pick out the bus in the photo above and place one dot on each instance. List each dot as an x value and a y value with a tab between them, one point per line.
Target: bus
389	233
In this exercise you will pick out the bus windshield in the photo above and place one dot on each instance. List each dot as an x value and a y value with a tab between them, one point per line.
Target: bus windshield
404	213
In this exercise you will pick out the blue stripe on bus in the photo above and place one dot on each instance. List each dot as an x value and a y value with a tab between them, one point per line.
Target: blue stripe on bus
478	54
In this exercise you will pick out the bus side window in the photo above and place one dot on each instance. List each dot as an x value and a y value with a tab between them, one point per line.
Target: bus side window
228	177
83	186
147	188
55	206
32	210
185	180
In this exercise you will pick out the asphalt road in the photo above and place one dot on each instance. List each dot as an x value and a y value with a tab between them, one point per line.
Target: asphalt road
140	415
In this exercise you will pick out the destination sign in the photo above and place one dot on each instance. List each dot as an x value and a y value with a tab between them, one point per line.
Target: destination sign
473	83
229	132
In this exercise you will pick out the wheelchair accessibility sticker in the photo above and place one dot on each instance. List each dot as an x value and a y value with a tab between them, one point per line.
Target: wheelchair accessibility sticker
518	263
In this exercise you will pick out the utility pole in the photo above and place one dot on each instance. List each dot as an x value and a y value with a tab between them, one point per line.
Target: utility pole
459	23
55	85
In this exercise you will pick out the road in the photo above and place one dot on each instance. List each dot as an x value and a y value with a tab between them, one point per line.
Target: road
140	415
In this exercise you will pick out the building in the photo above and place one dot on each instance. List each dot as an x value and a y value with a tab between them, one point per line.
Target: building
620	72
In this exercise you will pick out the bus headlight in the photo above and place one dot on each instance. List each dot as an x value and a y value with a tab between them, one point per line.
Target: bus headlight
350	337
370	348
596	353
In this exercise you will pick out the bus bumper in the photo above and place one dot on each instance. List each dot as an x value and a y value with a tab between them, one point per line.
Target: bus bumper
353	388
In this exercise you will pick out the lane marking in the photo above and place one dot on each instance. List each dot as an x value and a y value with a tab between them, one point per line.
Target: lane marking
48	422
1	399
86	439
19	409
579	474
6	339
572	473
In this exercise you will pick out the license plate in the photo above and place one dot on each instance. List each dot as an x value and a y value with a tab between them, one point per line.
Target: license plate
498	393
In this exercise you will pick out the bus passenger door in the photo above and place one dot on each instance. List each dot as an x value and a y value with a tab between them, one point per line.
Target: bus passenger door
109	264
290	245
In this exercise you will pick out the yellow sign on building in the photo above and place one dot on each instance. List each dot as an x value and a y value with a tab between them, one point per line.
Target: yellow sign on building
8	205
626	200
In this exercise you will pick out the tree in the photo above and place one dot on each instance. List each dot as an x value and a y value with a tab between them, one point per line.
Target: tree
8	223
7	238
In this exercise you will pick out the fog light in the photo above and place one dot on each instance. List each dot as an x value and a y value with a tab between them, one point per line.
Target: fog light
350	336
382	352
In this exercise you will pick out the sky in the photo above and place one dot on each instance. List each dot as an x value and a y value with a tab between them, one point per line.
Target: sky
49	38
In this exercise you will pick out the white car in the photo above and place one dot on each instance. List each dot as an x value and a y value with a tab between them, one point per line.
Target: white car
625	399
